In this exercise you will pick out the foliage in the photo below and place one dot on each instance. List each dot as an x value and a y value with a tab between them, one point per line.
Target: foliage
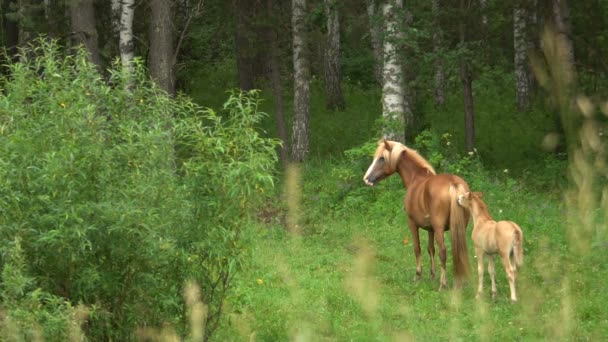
120	196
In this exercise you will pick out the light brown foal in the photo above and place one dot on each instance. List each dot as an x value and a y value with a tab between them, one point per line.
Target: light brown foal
490	238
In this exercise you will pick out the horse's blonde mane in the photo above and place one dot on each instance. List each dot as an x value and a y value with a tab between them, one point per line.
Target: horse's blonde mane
414	156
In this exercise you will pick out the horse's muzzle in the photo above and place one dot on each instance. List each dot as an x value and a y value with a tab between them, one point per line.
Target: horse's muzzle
369	182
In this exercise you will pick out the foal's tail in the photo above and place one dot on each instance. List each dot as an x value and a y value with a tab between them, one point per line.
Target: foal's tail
518	248
458	226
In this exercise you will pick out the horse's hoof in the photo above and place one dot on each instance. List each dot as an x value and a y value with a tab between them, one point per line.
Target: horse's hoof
493	295
478	296
442	287
513	301
417	277
432	276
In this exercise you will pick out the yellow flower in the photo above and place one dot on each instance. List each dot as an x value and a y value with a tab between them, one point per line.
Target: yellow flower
62	105
259	281
141	100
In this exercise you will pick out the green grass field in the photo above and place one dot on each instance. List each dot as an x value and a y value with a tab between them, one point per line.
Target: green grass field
348	274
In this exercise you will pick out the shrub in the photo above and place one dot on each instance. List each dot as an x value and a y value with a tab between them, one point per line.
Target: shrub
120	195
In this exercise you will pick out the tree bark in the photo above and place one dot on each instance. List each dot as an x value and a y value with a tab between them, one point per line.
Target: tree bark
126	46
520	47
277	88
244	38
375	26
393	107
333	88
438	63
82	16
467	86
161	45
301	67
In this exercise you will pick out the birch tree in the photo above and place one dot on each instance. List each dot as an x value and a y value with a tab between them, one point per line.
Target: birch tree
333	88
161	45
126	46
393	107
301	68
520	47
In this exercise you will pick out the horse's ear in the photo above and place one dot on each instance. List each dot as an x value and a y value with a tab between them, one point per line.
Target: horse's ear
466	195
387	145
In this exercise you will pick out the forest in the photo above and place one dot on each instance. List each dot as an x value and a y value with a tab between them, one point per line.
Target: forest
197	170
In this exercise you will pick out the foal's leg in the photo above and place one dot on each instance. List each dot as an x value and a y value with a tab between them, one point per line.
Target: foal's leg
416	244
492	271
431	250
510	274
443	283
480	253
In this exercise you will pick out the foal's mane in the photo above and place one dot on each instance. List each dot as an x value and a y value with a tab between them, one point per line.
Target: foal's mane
483	208
413	156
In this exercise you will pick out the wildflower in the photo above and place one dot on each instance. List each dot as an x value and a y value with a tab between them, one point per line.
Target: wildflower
62	105
141	100
447	143
500	211
259	281
471	153
506	171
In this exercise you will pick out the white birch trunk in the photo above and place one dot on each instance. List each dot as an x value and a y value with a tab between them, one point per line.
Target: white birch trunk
393	106
333	88
126	35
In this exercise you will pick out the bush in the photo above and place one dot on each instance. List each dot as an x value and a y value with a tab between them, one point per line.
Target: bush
120	195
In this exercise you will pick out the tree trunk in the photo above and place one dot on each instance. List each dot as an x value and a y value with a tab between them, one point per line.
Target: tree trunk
11	31
333	88
301	69
467	81
438	63
277	88
375	25
82	16
161	45
244	38
408	91
393	106
116	11
520	45
126	45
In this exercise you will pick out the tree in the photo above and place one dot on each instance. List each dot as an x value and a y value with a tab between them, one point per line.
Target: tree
520	47
275	79
301	70
333	89
126	45
82	15
161	45
438	63
393	107
375	34
467	82
245	41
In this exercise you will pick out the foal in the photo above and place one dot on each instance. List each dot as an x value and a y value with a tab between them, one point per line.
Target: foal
490	237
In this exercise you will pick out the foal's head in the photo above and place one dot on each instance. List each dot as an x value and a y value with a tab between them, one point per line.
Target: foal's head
467	198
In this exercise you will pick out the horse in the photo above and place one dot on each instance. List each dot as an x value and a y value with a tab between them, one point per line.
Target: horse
430	203
490	238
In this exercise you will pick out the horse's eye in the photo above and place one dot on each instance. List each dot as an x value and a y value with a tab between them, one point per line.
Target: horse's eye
381	159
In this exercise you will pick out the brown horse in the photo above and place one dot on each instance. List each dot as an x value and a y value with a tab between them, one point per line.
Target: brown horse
490	237
430	203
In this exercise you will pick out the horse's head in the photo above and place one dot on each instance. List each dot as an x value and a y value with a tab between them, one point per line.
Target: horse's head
384	162
465	199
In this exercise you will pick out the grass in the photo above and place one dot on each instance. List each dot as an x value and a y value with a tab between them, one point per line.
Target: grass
349	275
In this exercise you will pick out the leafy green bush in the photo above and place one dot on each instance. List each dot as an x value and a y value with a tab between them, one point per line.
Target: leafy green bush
120	195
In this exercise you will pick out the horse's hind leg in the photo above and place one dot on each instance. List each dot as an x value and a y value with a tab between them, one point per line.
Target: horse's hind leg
443	283
492	272
510	275
416	242
480	253
431	250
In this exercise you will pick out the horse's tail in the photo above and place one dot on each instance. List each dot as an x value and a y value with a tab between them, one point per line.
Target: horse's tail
458	226
518	248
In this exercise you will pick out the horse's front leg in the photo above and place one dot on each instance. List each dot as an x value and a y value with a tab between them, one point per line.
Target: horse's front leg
416	242
431	250
443	282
